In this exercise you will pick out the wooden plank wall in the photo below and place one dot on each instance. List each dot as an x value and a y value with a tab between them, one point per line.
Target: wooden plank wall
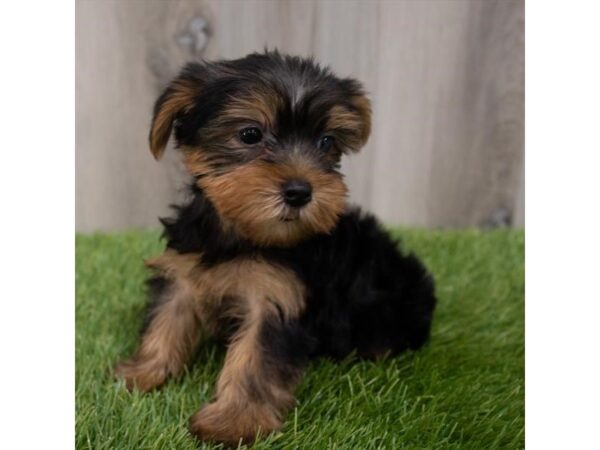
446	79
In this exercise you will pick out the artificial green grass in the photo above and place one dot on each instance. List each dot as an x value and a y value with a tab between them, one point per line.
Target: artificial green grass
464	390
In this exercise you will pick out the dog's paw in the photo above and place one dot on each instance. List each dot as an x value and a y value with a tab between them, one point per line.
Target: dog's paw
143	375
231	425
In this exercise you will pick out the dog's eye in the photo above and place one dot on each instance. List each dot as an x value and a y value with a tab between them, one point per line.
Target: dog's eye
251	135
326	142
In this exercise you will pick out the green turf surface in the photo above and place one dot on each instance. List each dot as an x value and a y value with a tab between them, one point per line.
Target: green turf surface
464	390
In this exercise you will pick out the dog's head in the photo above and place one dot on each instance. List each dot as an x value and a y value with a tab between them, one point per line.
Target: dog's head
263	137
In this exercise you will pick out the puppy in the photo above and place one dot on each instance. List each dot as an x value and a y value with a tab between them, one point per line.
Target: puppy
267	255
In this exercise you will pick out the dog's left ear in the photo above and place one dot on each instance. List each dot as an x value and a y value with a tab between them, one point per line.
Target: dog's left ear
352	117
362	106
178	98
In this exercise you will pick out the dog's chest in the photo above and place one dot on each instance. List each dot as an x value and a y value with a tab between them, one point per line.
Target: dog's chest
237	289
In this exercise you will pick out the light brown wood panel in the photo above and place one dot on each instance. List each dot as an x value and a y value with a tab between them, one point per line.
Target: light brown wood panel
445	77
449	130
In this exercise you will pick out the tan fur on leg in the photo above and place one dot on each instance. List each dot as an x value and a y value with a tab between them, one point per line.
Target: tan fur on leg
250	396
247	398
168	342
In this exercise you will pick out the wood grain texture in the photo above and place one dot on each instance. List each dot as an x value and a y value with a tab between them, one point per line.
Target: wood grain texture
446	79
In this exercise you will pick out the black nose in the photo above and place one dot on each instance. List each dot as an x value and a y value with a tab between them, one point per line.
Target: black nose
297	193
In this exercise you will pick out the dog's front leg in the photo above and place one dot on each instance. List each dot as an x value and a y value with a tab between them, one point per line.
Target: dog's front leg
264	362
172	332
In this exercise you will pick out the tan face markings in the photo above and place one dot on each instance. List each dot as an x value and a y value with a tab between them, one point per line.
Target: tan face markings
256	109
249	198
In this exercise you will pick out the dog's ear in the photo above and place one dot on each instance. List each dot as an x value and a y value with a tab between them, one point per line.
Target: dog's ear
362	107
178	98
352	118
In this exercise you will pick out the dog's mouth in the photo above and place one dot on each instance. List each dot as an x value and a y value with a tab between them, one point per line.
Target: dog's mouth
290	215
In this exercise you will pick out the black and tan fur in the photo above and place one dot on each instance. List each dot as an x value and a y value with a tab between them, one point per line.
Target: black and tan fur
281	282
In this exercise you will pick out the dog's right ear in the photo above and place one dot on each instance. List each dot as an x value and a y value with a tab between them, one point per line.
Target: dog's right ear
179	97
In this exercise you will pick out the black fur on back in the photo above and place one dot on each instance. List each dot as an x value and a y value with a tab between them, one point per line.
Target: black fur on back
363	293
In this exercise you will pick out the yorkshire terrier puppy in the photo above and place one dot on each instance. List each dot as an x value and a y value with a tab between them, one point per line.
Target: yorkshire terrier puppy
266	254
